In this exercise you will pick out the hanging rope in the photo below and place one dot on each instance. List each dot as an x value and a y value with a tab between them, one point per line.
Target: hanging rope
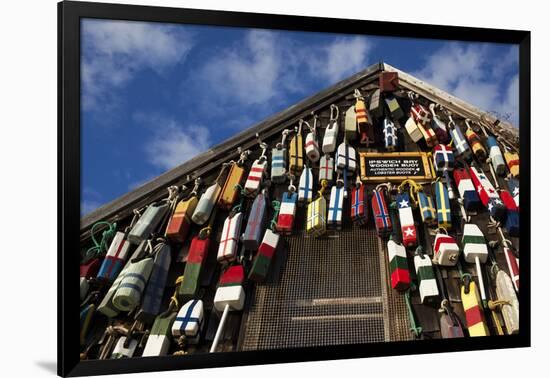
276	207
100	247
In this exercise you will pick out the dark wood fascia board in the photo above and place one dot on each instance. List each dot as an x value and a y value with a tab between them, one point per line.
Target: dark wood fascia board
225	151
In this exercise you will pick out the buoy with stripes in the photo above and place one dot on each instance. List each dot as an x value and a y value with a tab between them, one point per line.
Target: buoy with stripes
312	146
278	160
346	161
316	223
231	188
390	135
363	121
115	259
399	267
255	177
446	250
266	251
512	160
473	309
359	210
285	221
513	187
158	341
512	213
180	222
423	120
439	127
305	188
336	205
90	268
443	206
229	296
331	132
475	252
466	189
427	284
189	321
488	195
444	158
148	222
497	160
296	151
326	168
406	218
462	148
86	315
130	290
256	220
475	142
426	207
229	242
380	212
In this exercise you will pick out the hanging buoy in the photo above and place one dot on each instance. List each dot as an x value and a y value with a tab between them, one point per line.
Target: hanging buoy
148	222
296	152
262	261
406	218
311	146
475	252
336	204
427	285
115	258
230	190
394	108
278	160
285	221
86	315
130	290
466	188
446	250
196	259
380	212
229	296
189	321
488	195
227	250
390	135
388	81
158	341
376	104
256	220
305	188
331	132
399	267
255	177
180	222
346	159
512	160
443	206
121	350
350	124
475	142
475	320
208	199
444	158
316	213
459	142
326	168
497	160
362	118
512	213
423	120
359	210
427	209
412	129
513	187
84	286
439	127
510	304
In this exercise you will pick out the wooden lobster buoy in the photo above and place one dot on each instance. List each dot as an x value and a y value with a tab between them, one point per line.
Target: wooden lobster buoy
376	104
475	251
84	286
180	222
412	129
380	212
423	120
427	209
466	188
189	321
427	284
443	206
231	188
285	221
305	188
512	213
350	124
510	308
316	213
331	132
130	290
446	250
206	203
497	160
460	143
346	161
390	135
513	267
336	204
262	261
90	268
475	143
148	222
86	315
326	168
229	296
359	210
475	320
513	187
124	351
408	229
388	81
158	341
278	160
256	221
512	160
227	250
399	269
196	259
151	302
255	177
444	158
439	127
115	258
311	146
488	195
394	108
362	118
296	152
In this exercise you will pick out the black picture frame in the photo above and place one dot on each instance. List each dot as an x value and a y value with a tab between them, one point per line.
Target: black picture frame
69	15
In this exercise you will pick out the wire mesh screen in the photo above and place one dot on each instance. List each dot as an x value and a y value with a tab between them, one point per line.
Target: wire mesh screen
326	291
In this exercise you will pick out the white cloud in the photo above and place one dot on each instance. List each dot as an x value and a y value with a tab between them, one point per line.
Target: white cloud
265	66
172	143
343	57
470	73
115	51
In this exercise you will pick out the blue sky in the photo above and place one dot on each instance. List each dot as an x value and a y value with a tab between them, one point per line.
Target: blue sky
155	95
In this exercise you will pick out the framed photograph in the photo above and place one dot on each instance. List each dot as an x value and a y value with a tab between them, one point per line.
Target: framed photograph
241	188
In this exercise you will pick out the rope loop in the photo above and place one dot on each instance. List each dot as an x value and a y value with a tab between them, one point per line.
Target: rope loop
334	112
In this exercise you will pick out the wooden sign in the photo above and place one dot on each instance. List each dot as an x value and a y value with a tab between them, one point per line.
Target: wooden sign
395	166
